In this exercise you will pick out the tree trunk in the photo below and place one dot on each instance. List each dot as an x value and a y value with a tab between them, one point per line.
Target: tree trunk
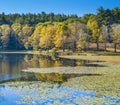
115	47
105	46
85	47
88	45
97	45
74	47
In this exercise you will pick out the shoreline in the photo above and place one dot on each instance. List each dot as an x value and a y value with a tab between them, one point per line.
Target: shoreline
76	56
19	52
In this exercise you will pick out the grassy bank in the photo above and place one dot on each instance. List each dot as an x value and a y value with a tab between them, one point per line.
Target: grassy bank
47	53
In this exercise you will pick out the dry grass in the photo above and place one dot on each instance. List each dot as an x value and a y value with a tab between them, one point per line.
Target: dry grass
110	59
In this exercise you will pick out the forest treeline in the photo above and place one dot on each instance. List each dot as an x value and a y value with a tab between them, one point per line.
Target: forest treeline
58	31
33	19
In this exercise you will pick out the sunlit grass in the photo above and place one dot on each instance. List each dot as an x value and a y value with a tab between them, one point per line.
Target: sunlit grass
110	59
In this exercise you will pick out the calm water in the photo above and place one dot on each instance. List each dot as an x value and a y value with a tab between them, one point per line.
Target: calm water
46	88
12	64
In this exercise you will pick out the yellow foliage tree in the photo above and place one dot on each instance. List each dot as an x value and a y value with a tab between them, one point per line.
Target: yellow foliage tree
62	33
35	37
95	29
5	31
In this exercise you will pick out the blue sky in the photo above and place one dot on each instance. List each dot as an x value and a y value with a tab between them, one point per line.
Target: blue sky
78	7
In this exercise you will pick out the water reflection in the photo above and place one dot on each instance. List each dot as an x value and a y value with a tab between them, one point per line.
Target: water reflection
12	64
49	89
38	61
48	77
43	93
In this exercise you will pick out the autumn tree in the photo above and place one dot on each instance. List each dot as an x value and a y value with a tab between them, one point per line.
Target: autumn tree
78	34
82	38
51	33
21	35
43	35
34	39
116	35
95	29
26	33
47	36
16	33
62	34
5	31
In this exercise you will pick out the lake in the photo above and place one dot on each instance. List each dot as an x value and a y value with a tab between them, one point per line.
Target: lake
27	88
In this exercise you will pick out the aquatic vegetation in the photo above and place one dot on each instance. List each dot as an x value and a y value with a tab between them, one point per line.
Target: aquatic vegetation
43	93
91	80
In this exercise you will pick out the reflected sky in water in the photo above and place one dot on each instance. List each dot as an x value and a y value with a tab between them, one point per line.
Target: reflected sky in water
47	94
